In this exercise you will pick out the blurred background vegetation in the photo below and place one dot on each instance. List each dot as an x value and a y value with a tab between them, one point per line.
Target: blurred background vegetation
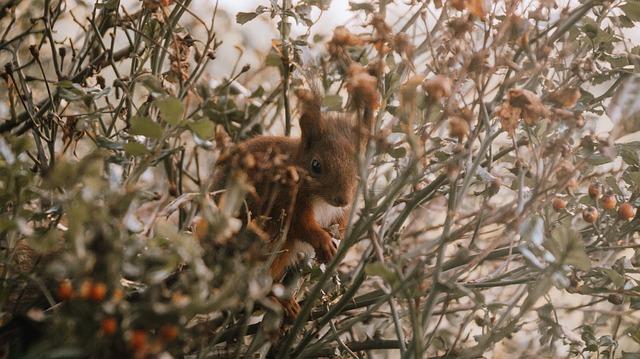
497	204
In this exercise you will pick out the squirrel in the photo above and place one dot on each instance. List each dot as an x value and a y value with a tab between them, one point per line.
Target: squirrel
306	184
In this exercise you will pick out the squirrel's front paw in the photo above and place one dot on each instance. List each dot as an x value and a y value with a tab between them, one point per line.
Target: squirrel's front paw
326	251
290	307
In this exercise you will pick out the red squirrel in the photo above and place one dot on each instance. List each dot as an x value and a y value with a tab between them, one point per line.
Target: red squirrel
306	184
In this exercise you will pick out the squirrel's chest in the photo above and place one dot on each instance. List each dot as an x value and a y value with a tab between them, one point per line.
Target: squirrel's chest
326	214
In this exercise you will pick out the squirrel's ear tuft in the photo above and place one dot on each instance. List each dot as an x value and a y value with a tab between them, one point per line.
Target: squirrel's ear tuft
310	114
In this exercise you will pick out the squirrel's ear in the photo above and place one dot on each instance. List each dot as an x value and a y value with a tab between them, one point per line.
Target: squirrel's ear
311	124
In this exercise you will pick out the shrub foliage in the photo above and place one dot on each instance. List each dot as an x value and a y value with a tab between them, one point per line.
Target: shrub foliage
490	204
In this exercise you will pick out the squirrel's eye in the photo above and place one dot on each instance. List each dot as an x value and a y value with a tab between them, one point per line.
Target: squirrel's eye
315	167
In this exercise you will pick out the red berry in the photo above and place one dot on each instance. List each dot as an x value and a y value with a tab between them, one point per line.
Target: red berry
65	290
626	211
608	201
559	204
590	214
169	332
138	339
594	191
109	326
97	291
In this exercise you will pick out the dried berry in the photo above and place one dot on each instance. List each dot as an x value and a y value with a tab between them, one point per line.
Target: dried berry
615	298
594	191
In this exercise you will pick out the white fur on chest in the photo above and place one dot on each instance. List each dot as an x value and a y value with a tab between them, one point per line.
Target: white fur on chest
325	216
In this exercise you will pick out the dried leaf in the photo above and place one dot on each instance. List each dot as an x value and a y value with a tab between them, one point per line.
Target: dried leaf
479	8
438	87
566	97
530	104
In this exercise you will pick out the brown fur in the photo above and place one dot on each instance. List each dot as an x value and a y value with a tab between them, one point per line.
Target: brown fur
291	193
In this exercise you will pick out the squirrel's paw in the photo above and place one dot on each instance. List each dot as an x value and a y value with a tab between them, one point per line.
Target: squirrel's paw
326	251
290	306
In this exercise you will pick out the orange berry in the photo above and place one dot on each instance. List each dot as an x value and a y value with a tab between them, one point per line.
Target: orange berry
594	191
169	332
109	326
626	211
65	290
138	339
85	288
608	201
118	294
559	204
590	214
97	292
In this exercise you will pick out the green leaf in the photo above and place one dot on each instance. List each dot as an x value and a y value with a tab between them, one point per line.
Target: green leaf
380	270
598	159
632	10
152	83
273	60
625	22
566	245
258	93
366	6
398	152
202	128
104	142
333	102
171	109
321	4
589	338
245	17
135	149
629	152
616	278
144	126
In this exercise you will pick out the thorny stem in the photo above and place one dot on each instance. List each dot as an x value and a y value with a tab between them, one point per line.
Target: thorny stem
285	27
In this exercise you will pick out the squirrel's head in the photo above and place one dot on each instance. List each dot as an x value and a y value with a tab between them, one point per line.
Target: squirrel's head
327	152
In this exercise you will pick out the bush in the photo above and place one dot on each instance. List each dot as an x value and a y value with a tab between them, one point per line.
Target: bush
493	216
